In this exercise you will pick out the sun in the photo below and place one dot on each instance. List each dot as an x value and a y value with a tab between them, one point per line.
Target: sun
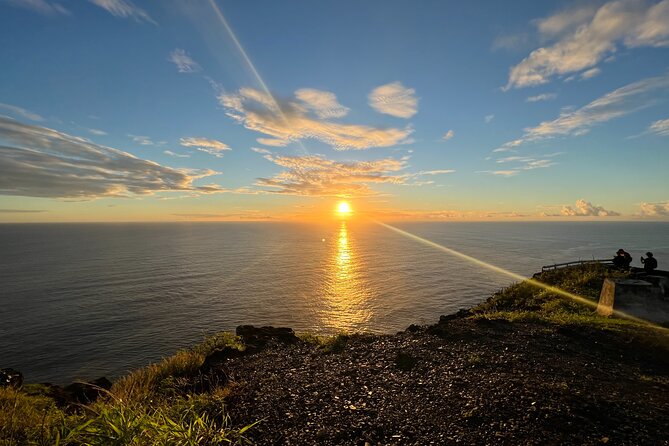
344	209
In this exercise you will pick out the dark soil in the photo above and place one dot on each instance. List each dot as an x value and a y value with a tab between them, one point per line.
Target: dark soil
461	381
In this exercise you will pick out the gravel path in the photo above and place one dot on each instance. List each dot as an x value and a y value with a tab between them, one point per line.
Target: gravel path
457	382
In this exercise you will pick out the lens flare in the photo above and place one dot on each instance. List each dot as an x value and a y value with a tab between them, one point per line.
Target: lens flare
515	276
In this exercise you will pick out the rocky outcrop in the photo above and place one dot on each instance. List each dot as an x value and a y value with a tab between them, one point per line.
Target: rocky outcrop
258	337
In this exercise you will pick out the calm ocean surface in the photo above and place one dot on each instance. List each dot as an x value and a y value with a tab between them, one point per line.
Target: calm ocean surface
86	300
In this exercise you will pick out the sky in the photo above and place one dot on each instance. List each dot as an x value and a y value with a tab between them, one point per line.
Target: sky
204	110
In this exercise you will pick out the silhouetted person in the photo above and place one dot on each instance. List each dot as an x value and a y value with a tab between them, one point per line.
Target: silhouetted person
650	263
622	260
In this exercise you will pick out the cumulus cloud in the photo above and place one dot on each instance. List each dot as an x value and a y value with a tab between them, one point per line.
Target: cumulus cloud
394	99
286	121
43	7
210	146
40	162
22	112
448	135
620	102
184	63
323	103
655	209
315	175
541	97
586	209
124	9
660	127
585	36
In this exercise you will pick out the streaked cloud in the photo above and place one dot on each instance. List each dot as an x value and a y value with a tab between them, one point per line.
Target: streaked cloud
43	7
660	209
184	63
22	211
315	175
488	118
323	103
541	97
97	132
585	209
177	155
124	9
41	162
287	121
585	36
394	99
436	172
448	135
210	146
660	127
22	112
273	142
618	103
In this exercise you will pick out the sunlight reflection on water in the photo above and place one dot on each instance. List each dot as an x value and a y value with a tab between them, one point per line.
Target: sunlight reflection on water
345	292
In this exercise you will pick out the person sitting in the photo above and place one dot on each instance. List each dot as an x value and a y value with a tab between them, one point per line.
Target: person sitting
650	263
621	261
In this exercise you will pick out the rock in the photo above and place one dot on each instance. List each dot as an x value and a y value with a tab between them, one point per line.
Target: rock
258	337
413	328
220	356
10	378
85	393
405	361
458	315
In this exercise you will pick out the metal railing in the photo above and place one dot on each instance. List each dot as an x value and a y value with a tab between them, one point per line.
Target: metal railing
574	263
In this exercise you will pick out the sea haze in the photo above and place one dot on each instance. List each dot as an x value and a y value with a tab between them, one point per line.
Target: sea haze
86	300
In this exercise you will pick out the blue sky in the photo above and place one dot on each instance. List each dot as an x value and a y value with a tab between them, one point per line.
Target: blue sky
112	110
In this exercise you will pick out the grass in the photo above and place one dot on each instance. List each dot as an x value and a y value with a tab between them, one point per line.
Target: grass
155	405
525	301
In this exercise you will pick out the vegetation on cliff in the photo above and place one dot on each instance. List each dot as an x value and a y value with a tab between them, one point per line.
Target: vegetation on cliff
525	366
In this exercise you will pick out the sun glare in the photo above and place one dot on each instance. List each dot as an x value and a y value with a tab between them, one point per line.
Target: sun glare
344	209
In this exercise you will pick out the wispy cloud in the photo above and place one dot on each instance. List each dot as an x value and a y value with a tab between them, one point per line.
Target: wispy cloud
286	121
620	102
394	99
583	208
660	127
541	97
40	162
585	36
323	103
184	63
142	140
97	132
210	146
22	112
488	118
448	135
315	175
124	9
43	7
589	74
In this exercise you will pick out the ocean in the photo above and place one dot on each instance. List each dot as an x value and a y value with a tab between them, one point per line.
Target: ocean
79	301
